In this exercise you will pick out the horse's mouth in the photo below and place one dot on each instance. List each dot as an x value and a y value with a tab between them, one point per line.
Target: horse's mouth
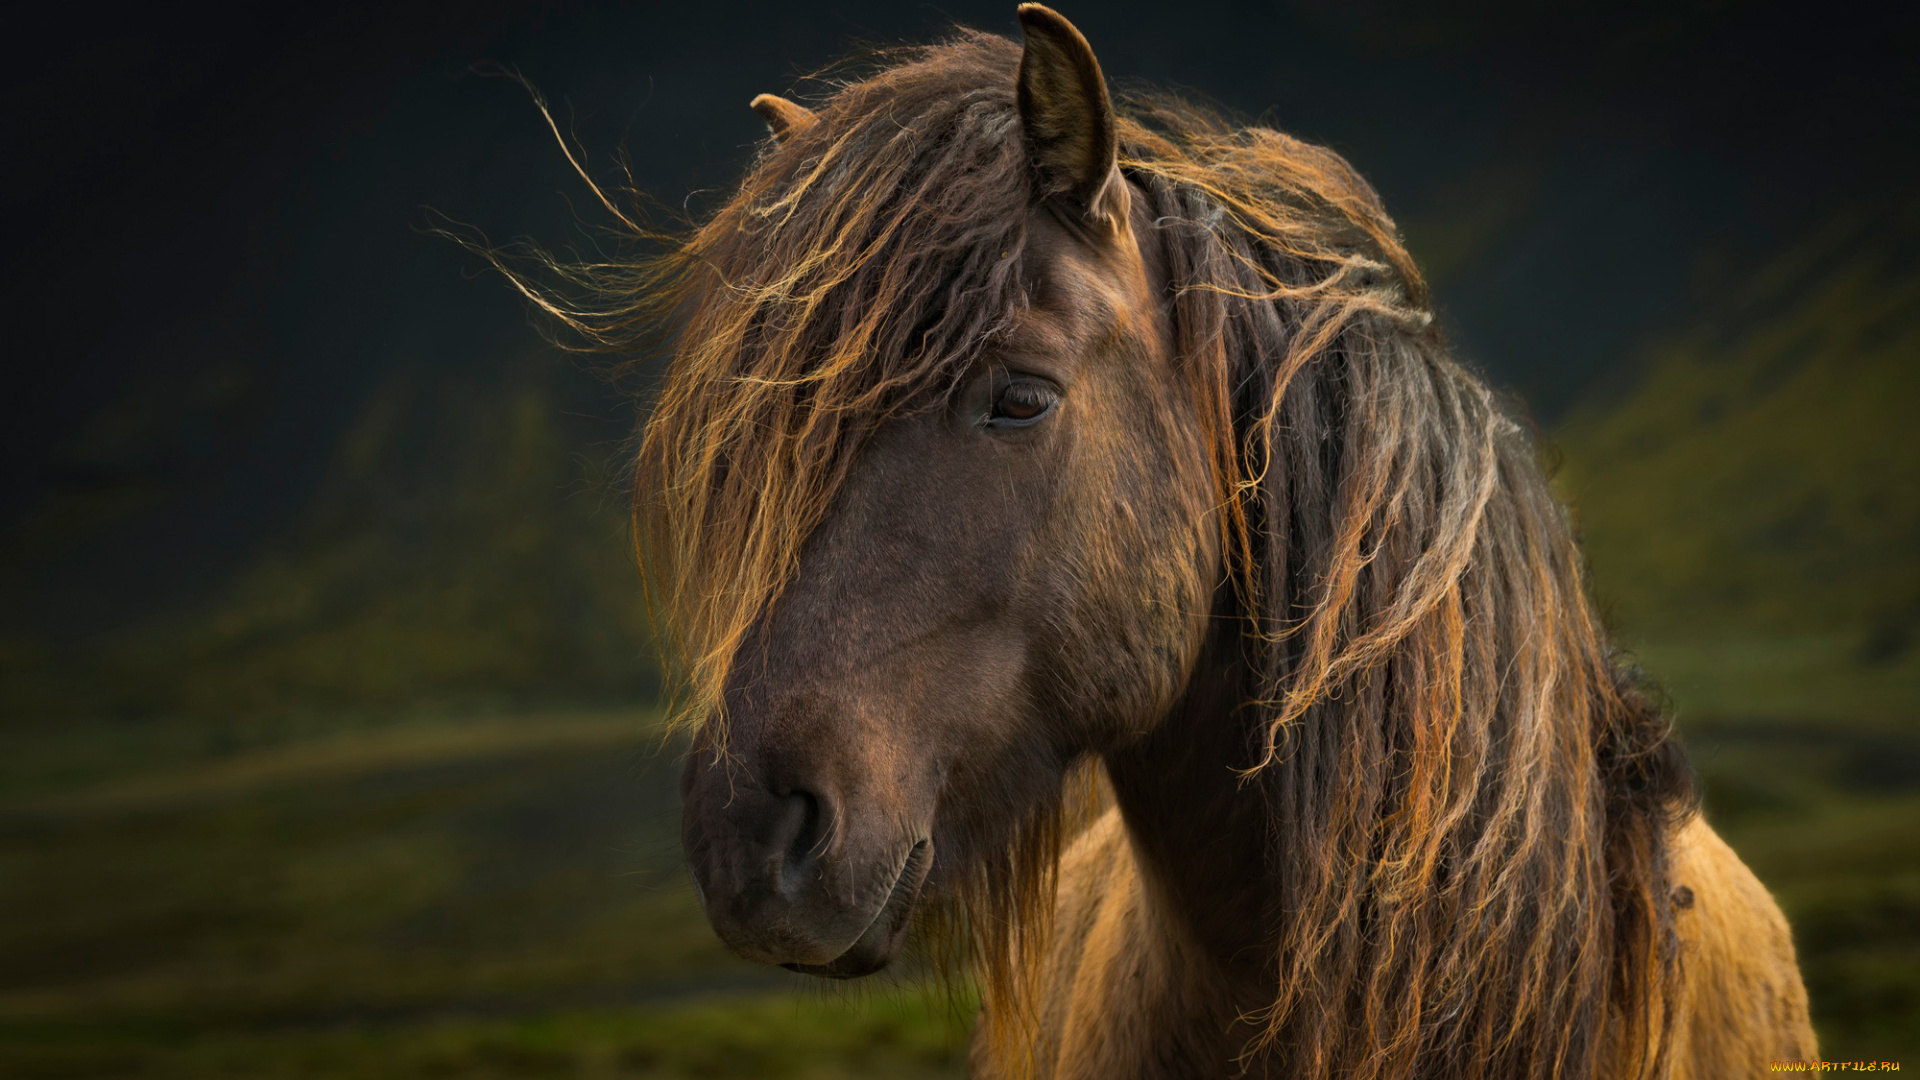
880	941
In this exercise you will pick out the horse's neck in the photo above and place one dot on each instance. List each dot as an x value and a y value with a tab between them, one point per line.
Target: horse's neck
1201	837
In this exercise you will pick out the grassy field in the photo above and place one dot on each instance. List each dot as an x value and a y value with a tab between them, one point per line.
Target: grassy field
431	896
482	896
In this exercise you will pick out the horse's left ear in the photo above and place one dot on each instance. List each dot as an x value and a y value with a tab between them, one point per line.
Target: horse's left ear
1070	127
783	117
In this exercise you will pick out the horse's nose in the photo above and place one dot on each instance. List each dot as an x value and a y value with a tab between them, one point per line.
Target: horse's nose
766	854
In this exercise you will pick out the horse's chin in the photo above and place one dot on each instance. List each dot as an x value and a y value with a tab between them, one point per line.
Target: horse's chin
883	938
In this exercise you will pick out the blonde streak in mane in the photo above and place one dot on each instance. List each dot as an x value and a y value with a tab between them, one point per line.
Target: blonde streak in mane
1547	743
1429	580
1404	871
1357	517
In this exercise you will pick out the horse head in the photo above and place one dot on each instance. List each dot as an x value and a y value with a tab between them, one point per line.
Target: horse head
1013	574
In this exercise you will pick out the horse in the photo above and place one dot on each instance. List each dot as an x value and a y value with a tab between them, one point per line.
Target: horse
1073	537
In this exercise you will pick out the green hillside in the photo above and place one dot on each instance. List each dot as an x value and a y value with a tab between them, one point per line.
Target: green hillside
466	547
1751	509
459	548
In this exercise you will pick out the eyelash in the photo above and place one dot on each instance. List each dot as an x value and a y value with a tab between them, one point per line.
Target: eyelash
1045	397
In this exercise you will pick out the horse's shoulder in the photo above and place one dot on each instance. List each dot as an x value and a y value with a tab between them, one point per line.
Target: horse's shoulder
1744	1003
1095	860
1095	954
1098	888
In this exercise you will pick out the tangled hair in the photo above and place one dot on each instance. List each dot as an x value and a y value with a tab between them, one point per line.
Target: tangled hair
1469	797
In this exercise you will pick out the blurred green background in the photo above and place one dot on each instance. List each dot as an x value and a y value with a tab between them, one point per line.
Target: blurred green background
329	743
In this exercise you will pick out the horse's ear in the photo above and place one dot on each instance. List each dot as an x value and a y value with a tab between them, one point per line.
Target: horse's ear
1069	121
783	116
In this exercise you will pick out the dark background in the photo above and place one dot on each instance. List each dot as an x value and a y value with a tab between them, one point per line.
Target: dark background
234	196
277	464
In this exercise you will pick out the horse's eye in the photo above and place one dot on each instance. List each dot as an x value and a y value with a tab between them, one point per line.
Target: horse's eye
1022	402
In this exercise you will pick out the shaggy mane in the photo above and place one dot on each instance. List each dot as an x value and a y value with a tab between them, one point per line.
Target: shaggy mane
1469	797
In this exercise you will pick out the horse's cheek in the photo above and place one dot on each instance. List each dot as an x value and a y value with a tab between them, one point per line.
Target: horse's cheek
1135	596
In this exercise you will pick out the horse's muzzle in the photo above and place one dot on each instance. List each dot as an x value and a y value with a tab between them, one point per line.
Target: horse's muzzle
787	879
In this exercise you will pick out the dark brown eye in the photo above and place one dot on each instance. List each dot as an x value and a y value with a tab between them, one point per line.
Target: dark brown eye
1022	402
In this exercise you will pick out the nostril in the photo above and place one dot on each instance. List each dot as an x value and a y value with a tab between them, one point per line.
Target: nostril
801	836
810	824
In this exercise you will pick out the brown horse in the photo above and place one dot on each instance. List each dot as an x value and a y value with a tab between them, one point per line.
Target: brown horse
1015	446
